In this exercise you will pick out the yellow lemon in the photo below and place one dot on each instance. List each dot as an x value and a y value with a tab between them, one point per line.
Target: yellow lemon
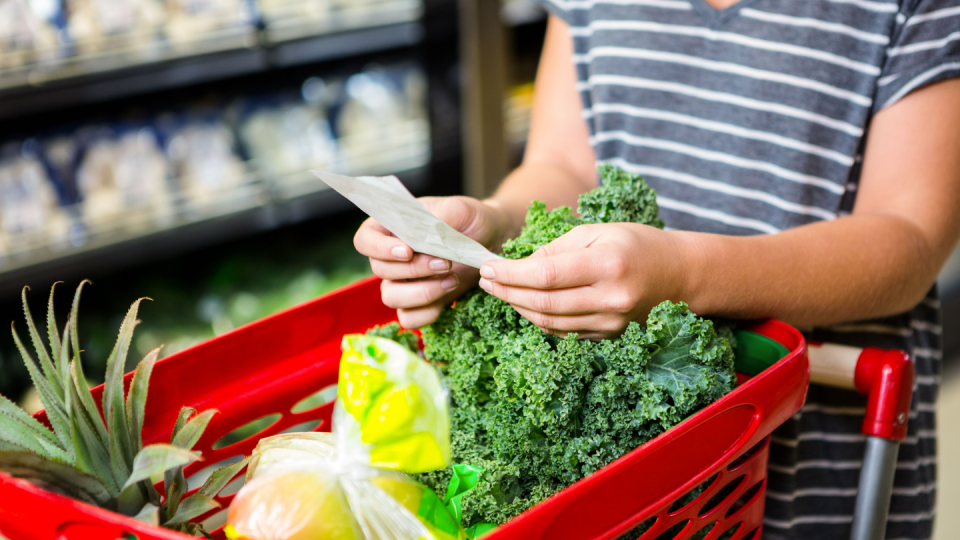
292	506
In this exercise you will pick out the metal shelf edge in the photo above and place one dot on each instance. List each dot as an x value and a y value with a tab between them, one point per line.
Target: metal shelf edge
188	236
105	86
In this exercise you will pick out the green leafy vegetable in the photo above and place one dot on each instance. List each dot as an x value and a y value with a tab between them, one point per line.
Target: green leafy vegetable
396	333
537	412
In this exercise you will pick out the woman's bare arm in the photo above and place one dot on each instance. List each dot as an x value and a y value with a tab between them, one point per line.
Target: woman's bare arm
559	163
879	261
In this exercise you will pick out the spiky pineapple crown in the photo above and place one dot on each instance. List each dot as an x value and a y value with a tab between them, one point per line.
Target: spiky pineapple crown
100	458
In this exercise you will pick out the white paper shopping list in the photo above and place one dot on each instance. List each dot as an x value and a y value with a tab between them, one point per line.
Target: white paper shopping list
386	200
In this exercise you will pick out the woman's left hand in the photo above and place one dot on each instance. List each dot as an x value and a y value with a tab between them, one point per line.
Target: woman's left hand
593	280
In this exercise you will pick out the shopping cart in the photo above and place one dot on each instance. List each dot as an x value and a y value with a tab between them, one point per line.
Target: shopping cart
704	478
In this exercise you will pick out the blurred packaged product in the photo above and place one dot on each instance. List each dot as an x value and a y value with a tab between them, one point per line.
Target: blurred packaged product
357	8
31	215
295	10
122	181
27	31
189	19
209	176
290	136
98	25
383	122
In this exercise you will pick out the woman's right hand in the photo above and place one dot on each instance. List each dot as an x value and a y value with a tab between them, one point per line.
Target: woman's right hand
417	285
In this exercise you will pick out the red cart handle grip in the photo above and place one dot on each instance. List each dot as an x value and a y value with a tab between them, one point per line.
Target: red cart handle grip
886	377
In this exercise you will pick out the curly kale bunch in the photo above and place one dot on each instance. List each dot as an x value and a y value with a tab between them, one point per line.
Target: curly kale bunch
621	197
394	332
538	412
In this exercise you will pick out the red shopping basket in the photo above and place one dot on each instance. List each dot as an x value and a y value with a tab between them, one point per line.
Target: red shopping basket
706	474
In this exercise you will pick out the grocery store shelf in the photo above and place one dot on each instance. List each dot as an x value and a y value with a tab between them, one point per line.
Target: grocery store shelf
190	220
163	242
115	72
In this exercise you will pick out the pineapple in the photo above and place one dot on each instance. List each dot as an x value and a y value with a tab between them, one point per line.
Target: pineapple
101	459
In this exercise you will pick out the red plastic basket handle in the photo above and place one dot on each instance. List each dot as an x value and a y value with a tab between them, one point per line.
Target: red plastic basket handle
886	377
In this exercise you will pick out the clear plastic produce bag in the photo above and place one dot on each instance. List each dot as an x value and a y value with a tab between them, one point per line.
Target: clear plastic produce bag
391	417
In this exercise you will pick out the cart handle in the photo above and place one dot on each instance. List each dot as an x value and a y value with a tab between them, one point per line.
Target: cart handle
886	377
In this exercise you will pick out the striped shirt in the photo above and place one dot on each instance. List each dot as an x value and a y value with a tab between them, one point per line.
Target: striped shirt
751	120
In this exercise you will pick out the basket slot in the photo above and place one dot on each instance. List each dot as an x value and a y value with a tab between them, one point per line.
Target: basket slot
215	521
195	480
705	530
744	457
247	431
639	530
691	496
673	532
316	399
750	535
730	532
745	499
721	496
625	488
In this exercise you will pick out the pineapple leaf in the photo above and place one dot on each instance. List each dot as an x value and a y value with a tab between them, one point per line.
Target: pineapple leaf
81	401
192	507
158	458
80	379
53	403
10	409
191	432
137	399
60	361
131	500
72	323
176	484
56	477
83	461
174	479
114	411
149	515
64	358
221	477
50	372
28	436
90	450
182	417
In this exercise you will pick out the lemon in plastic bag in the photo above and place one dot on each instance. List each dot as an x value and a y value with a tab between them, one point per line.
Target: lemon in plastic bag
400	407
392	414
264	509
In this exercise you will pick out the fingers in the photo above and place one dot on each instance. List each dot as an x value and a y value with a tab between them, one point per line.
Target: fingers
376	242
561	264
458	212
594	326
420	317
420	266
420	302
391	259
573	301
562	271
419	293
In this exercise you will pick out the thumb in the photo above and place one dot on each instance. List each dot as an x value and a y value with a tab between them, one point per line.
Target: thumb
580	237
465	215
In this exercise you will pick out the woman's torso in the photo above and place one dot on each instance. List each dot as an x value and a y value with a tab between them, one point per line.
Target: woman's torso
751	120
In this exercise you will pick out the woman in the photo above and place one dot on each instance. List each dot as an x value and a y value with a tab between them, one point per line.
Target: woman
806	157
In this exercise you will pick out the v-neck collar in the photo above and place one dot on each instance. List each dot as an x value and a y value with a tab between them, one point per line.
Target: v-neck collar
716	17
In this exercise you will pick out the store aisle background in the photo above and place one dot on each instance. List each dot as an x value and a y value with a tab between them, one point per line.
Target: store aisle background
375	85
